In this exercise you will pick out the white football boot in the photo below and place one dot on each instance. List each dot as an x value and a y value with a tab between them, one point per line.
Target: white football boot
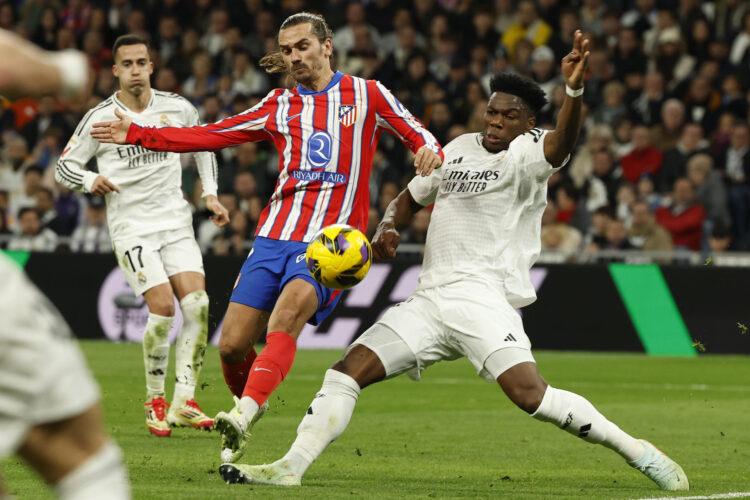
235	430
661	469
277	473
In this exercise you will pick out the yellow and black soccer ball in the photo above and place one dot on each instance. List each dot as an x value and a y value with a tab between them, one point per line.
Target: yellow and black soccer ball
339	256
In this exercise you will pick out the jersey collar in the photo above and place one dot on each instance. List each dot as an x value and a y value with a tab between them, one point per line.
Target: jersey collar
334	81
125	108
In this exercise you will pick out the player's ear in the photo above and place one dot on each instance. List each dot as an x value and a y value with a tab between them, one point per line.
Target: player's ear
531	122
115	71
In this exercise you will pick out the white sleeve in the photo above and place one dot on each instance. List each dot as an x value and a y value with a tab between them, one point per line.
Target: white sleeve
70	170
528	149
204	160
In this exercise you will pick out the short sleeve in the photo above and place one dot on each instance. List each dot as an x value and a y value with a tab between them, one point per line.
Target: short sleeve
528	149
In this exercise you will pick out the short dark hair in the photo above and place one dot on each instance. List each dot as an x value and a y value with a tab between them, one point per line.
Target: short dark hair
128	40
528	90
24	210
33	169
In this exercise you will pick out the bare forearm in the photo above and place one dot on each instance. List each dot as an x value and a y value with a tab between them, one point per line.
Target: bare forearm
401	210
561	141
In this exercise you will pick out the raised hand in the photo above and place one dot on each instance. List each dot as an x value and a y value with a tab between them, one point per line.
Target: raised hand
426	161
114	131
102	186
575	64
385	241
221	214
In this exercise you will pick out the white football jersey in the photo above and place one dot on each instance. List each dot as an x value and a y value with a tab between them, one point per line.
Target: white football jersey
150	182
487	218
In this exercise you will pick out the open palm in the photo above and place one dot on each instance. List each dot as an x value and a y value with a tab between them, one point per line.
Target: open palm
114	131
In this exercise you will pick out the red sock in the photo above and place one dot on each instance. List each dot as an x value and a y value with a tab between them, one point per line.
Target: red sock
271	366
235	375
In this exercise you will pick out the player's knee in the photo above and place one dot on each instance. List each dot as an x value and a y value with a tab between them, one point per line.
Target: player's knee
163	306
528	397
286	320
361	364
232	352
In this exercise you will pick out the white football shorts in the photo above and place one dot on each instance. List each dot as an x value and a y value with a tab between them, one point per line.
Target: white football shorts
149	260
466	318
43	376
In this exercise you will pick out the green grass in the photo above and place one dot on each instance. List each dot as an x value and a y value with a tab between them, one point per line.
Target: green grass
449	436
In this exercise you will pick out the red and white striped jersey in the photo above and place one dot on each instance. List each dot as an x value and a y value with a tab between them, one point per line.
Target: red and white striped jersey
325	141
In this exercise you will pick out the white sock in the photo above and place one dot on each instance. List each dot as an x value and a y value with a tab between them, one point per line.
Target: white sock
191	345
103	475
248	408
326	419
156	352
577	416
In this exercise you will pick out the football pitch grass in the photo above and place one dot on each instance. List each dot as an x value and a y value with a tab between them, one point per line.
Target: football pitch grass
449	436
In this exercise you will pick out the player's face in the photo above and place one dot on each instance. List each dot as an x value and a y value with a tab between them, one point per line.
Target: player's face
305	57
505	118
133	67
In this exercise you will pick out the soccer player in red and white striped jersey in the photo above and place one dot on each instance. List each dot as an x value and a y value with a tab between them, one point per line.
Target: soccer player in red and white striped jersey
326	131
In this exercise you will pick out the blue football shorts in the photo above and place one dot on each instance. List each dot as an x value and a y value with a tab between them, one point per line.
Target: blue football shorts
272	264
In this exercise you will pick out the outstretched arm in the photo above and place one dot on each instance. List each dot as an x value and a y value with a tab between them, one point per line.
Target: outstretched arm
399	213
559	143
244	127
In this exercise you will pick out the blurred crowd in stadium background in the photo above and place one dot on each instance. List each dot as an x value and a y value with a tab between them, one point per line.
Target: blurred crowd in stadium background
663	161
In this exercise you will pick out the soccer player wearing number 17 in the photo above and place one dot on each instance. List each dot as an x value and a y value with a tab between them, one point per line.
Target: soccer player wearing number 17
483	238
326	131
151	227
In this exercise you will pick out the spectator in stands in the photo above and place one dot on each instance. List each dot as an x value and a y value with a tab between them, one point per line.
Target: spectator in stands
740	52
558	236
202	81
628	56
571	210
703	103
646	192
529	26
582	164
592	15
690	144
736	168
26	196
92	236
595	238
624	200
664	135
245	187
670	59
48	217
46	117
684	217
14	160
31	235
648	105
356	16
643	159
645	233
617	236
613	108
709	189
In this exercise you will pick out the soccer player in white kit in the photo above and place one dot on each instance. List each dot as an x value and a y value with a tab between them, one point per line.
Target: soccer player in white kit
151	228
49	403
483	238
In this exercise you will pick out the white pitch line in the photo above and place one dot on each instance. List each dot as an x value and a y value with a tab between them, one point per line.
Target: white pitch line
737	494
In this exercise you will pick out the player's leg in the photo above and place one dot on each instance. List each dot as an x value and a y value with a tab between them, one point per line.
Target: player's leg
190	348
385	350
243	325
573	413
77	458
144	271
160	302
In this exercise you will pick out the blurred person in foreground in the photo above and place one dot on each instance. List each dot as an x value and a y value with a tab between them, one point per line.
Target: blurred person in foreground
50	413
461	308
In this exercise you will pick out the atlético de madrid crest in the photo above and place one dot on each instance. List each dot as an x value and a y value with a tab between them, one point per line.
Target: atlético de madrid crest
347	115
